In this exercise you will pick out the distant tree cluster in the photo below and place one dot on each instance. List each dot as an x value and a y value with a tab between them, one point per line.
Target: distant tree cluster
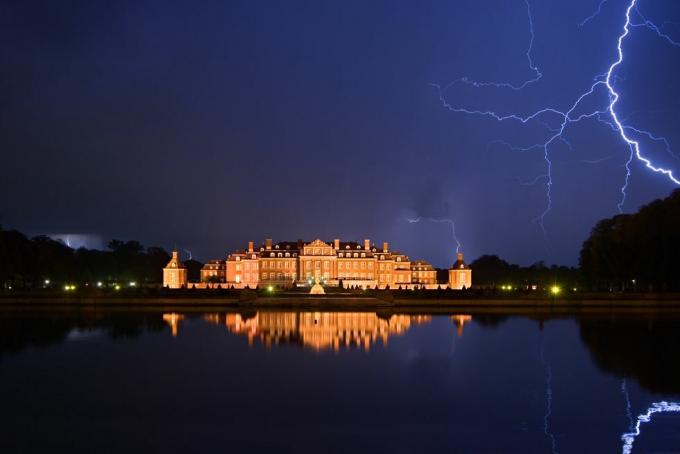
636	251
29	262
490	271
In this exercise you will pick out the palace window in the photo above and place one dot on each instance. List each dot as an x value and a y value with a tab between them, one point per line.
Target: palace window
326	265
279	255
287	254
271	254
238	258
356	255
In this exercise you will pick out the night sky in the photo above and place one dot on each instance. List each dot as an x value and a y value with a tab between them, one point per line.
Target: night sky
206	124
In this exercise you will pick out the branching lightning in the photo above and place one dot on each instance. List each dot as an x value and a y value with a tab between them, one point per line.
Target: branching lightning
444	220
188	253
537	73
657	407
604	84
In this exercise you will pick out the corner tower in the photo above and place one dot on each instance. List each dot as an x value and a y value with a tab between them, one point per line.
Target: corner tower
175	273
460	275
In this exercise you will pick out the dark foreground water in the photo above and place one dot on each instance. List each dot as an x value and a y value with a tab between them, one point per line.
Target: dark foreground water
96	382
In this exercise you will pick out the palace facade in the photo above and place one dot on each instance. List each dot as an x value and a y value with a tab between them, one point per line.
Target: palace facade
336	263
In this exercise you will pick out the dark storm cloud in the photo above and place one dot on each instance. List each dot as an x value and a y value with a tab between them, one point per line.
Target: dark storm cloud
213	123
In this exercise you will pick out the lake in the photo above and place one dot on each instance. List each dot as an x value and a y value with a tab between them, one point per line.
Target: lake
133	381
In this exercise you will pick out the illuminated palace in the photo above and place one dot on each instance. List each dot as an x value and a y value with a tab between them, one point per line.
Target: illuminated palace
349	264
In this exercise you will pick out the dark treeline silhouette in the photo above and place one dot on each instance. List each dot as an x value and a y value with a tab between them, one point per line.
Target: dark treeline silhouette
636	251
29	262
644	348
491	271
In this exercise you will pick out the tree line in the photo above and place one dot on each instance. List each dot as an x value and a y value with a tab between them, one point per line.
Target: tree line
635	251
626	252
27	263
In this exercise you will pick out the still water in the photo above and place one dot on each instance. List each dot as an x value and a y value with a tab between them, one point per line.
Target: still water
338	382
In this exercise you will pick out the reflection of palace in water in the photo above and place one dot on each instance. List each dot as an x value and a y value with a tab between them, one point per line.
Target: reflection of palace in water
317	330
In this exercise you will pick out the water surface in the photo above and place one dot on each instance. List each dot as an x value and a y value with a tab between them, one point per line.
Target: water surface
338	382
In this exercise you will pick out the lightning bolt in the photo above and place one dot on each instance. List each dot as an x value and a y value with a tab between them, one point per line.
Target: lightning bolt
656	407
188	252
594	15
602	84
537	73
445	220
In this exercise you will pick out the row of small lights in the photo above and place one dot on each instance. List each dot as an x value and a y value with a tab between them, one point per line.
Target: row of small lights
555	289
71	287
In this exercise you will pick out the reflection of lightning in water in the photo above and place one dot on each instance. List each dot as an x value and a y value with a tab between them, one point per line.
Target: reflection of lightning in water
629	412
548	398
657	407
444	220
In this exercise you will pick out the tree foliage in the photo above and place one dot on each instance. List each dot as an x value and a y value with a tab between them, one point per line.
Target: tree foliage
28	262
492	271
636	250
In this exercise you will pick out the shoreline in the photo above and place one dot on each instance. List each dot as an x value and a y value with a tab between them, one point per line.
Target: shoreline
344	302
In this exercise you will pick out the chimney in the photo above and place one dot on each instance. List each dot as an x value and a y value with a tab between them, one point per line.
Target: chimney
367	244
459	256
385	247
268	244
250	246
336	243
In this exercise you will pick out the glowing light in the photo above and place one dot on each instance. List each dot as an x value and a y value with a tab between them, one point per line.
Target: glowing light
657	407
99	284
555	290
47	282
605	114
270	289
117	287
133	284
